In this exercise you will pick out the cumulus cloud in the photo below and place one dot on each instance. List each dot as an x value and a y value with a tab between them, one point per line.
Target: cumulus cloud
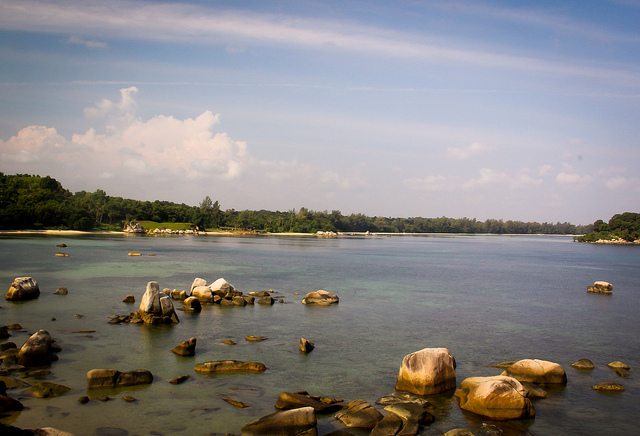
623	183
162	145
472	150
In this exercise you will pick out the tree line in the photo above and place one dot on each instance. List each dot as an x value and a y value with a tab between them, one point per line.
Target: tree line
34	202
624	226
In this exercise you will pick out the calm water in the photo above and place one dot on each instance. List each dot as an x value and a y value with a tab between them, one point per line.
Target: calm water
487	299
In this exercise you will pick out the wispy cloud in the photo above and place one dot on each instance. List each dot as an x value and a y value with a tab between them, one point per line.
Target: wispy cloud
472	150
198	24
87	43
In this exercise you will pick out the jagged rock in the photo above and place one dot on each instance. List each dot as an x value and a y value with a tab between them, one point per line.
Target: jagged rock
359	414
192	304
156	307
295	422
48	390
235	403
23	288
498	398
38	350
186	348
609	386
536	371
132	227
112	378
601	288
223	288
426	372
295	400
584	364
239	301
306	346
320	298
217	366
61	291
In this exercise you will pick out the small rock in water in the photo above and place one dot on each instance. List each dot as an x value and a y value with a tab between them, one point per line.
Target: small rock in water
79	316
129	299
104	398
61	254
61	291
134	253
14	326
618	364
83	400
306	346
256	338
61	245
609	386
128	399
229	342
585	364
178	380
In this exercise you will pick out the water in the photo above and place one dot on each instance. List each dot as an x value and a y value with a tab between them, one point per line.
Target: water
487	299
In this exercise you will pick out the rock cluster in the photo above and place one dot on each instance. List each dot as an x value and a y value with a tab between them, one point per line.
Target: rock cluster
320	298
156	307
23	288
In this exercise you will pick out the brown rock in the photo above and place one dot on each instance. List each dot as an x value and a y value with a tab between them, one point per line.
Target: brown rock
498	397
359	414
38	350
192	304
112	378
48	390
61	291
609	386
306	346
537	371
218	366
426	372
23	288
583	364
186	348
179	380
320	298
129	299
287	423
295	400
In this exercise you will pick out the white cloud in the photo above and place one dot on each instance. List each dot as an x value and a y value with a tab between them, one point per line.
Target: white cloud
521	180
125	108
87	43
429	183
572	179
620	183
332	179
472	150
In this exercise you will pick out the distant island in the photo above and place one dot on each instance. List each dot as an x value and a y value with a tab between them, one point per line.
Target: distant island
41	203
623	228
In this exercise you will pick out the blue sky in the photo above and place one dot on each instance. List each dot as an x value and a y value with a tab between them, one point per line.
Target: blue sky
483	109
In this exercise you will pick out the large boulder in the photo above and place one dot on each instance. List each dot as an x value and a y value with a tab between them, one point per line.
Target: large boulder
112	378
38	350
536	371
428	371
601	288
320	298
197	282
497	397
23	288
156	307
295	422
203	294
218	366
223	288
359	414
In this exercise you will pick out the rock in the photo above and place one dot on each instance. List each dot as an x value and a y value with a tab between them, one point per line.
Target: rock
23	288
12	383
104	398
222	288
112	378
609	386
183	295
583	364
6	346
412	415
156	307
249	300
134	253
618	365
621	372
403	397
259	294
320	298
4	332
295	422
306	346
61	245
192	304
175	294
255	338
229	342
61	254
129	398
503	364
129	299
601	288
498	397
38	373
84	399
196	283
533	391
536	371
266	301
180	379
8	404
239	301
295	400
132	227
203	294
14	326
359	414
186	348
459	432
218	366
236	403
38	350
388	425
61	291
426	372
48	390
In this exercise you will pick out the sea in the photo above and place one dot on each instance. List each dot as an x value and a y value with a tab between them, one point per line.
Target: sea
486	298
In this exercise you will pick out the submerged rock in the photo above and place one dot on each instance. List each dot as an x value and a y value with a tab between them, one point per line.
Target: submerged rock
23	288
537	371
48	390
112	378
498	397
426	372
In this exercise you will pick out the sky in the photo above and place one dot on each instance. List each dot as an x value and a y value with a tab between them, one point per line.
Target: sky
487	109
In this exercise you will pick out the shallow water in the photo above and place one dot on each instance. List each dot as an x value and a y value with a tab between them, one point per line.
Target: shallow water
486	298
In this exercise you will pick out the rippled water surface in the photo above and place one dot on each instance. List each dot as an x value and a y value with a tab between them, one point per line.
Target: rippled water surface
487	299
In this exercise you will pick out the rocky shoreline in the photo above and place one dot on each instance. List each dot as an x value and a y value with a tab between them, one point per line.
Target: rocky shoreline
431	371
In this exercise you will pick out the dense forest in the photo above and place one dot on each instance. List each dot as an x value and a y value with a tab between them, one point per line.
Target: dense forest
622	226
34	202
